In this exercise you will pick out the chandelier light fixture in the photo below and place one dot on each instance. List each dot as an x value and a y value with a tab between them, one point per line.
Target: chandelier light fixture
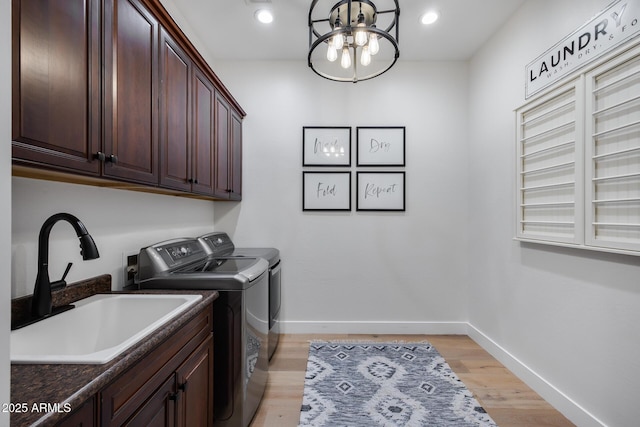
355	42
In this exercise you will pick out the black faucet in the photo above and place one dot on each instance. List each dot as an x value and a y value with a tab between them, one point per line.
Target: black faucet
41	302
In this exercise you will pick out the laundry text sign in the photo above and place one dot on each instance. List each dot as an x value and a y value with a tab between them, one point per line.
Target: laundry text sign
613	26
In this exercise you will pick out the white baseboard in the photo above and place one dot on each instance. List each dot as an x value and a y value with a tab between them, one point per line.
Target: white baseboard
563	403
373	327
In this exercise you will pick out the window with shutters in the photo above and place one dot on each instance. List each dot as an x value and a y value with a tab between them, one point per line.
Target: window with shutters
578	160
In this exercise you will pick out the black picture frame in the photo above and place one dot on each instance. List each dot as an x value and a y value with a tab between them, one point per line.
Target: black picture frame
380	146
326	191
328	146
381	191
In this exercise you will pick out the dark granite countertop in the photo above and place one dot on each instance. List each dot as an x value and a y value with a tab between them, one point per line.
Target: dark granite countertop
70	385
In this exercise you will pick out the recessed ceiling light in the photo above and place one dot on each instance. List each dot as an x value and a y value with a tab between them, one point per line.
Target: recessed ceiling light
265	16
429	18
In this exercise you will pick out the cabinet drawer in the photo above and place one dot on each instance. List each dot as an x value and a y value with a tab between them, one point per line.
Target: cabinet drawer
120	399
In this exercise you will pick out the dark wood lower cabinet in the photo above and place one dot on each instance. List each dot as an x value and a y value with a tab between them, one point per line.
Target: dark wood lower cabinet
158	410
170	386
85	416
195	389
185	399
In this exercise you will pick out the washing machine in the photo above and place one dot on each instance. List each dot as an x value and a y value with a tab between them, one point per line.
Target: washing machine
241	317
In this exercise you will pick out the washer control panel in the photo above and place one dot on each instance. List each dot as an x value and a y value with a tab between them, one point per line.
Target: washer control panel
168	255
175	253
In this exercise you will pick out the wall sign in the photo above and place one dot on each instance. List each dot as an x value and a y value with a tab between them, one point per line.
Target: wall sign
380	146
326	191
380	191
326	146
616	24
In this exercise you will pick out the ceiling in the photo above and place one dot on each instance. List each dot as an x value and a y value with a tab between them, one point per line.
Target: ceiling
230	31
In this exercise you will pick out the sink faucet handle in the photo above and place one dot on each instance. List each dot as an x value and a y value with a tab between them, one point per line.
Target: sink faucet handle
66	271
59	284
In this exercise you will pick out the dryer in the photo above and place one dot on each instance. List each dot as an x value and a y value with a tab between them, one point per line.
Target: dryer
220	241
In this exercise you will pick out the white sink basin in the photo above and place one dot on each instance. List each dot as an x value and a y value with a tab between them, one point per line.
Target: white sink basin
100	328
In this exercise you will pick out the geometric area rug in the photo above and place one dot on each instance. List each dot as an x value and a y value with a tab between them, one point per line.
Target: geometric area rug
385	384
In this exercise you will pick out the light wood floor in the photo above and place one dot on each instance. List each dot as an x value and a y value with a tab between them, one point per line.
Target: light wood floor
507	399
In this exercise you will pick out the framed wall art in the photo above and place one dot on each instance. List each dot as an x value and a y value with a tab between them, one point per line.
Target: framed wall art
326	191
380	191
326	146
380	146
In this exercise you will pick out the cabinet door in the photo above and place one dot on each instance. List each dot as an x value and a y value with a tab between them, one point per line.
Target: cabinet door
85	416
159	409
195	383
222	118
203	134
175	115
228	173
56	83
236	157
131	101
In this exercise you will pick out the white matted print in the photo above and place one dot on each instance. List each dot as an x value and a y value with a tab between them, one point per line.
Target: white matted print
380	191
326	146
381	146
326	191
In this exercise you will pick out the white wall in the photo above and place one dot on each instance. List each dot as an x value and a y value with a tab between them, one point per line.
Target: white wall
5	207
571	316
120	222
403	271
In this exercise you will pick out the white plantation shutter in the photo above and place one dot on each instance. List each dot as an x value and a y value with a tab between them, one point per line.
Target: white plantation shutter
549	181
578	160
613	154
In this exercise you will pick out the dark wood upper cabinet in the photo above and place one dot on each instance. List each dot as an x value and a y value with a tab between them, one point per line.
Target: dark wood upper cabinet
236	156
203	170
130	88
56	83
187	132
222	118
113	89
228	174
175	115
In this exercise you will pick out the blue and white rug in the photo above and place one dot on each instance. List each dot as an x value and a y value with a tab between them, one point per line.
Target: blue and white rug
381	384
